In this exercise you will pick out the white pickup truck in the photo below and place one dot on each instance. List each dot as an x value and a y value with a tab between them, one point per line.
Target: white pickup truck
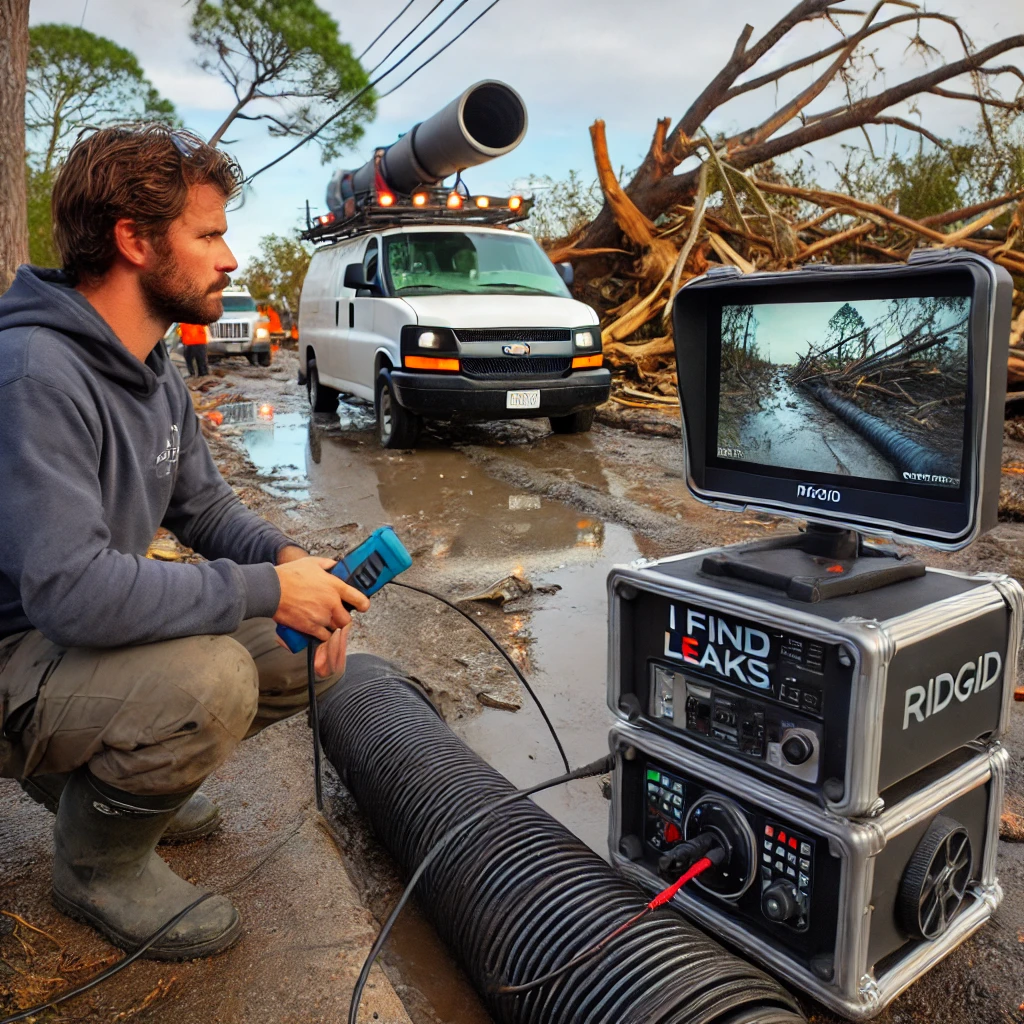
448	322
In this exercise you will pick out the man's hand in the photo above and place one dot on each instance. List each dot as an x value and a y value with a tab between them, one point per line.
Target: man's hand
311	602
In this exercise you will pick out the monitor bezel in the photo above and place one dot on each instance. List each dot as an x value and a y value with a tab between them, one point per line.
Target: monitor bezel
929	515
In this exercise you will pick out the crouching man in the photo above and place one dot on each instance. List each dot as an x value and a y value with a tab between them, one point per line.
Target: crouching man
124	681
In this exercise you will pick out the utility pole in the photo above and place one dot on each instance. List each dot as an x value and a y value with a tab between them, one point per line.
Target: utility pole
13	65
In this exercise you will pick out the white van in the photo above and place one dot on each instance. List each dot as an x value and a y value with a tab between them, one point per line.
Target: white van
448	321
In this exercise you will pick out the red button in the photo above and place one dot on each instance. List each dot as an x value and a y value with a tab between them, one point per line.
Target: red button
672	833
782	837
792	843
769	831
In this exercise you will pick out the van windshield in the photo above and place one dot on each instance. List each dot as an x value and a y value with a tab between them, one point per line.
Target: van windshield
239	304
469	263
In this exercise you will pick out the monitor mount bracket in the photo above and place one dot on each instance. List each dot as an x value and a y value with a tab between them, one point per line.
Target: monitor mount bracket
816	564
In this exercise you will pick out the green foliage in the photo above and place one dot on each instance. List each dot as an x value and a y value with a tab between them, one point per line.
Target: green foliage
277	273
77	78
286	66
562	208
981	164
39	184
846	324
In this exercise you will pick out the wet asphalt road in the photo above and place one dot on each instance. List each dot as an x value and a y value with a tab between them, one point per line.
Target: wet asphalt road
474	504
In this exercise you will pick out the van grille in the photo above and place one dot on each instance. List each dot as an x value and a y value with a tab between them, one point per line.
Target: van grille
515	334
224	330
517	366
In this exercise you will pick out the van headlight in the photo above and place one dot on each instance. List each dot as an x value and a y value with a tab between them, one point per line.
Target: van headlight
418	340
587	339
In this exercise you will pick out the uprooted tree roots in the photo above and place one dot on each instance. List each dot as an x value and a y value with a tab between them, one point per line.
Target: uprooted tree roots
732	208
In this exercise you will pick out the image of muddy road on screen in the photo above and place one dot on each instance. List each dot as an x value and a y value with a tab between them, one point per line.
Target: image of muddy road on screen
874	388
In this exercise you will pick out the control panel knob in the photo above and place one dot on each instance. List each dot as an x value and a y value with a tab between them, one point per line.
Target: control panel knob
797	748
780	901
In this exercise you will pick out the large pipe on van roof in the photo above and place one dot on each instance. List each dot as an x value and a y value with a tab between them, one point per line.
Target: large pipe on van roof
487	120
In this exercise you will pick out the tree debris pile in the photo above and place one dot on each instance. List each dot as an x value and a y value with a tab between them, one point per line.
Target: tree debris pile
697	202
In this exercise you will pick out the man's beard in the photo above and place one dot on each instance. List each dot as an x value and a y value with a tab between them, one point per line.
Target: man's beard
171	295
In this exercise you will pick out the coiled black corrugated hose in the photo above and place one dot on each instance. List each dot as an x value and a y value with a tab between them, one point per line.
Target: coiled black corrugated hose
514	894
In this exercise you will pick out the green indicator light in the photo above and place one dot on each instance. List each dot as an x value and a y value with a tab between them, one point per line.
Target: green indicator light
653	776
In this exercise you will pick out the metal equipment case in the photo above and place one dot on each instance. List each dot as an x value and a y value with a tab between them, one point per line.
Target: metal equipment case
835	701
851	911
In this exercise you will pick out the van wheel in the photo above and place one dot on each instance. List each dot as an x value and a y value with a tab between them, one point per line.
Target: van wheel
321	398
396	426
263	358
575	423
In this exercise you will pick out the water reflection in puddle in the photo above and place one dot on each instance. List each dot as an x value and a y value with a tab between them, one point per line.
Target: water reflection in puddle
277	447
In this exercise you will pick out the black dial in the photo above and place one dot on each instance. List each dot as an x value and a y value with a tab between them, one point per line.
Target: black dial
797	748
780	901
720	816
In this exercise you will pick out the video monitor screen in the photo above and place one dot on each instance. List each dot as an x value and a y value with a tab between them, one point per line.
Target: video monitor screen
870	388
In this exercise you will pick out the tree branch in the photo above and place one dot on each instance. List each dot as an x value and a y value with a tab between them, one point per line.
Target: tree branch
901	122
1017	105
864	33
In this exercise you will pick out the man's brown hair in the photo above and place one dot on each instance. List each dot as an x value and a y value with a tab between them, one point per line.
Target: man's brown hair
139	172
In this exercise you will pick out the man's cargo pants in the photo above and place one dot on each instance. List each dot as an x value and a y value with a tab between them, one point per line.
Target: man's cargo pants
149	719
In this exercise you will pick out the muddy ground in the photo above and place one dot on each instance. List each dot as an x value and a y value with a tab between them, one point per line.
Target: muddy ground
474	505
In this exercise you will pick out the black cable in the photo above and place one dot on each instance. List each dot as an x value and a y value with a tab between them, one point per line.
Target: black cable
598	767
501	650
385	30
455	38
362	92
314	720
110	971
410	32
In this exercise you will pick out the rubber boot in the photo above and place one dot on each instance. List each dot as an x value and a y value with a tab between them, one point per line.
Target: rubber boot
106	873
196	818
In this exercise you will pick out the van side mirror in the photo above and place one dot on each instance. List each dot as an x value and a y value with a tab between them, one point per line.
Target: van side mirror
566	273
355	278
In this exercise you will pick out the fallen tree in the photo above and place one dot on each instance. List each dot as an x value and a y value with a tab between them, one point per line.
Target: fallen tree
696	202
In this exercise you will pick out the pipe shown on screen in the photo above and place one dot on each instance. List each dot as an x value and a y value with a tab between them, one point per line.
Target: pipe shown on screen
906	454
486	121
518	895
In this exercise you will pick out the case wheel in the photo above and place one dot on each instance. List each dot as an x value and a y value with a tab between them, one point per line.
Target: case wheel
935	879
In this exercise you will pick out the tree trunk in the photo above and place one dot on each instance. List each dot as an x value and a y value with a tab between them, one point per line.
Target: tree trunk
13	63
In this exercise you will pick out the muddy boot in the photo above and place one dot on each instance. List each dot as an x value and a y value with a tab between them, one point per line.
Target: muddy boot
106	873
196	818
45	789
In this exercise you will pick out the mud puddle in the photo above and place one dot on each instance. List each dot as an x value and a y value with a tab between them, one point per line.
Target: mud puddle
466	529
276	443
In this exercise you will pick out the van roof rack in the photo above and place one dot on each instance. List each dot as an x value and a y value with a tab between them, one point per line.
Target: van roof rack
426	207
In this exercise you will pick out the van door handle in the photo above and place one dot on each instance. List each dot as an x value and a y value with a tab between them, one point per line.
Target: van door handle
337	311
351	314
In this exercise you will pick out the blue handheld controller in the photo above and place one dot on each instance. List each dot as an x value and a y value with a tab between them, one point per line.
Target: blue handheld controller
378	560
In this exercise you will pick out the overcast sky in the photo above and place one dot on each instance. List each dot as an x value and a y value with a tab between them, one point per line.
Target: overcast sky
572	61
786	329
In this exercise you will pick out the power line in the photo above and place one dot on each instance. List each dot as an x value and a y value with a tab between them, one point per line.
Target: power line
362	92
413	29
494	3
383	31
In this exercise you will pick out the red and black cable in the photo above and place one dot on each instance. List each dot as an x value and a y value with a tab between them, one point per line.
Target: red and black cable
714	856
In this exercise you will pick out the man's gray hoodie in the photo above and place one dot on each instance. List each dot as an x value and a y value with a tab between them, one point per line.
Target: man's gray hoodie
96	451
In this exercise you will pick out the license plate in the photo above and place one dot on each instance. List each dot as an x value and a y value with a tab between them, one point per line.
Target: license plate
233	348
522	399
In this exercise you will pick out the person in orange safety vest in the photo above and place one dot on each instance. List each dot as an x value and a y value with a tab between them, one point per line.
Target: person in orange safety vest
193	337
